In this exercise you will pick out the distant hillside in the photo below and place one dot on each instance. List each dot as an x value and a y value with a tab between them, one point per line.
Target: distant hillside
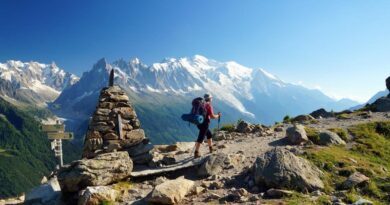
372	99
25	155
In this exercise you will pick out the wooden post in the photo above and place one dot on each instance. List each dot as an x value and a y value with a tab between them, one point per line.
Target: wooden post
111	80
57	133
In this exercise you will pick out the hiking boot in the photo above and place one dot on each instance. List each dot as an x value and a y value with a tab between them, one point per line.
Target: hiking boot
196	155
211	149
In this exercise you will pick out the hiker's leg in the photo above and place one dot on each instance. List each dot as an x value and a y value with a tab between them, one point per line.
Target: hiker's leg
209	137
197	145
209	140
201	135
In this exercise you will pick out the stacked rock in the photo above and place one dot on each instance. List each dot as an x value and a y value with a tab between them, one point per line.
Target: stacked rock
114	126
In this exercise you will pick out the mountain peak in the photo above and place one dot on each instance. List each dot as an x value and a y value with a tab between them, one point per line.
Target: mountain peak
201	58
100	65
101	62
135	61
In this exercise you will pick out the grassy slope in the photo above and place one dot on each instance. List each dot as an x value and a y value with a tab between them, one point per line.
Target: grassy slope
369	154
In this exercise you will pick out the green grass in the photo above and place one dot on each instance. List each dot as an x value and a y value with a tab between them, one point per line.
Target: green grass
300	199
107	203
313	134
342	133
369	155
343	116
124	185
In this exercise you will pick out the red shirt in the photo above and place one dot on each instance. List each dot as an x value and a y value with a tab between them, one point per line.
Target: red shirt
210	112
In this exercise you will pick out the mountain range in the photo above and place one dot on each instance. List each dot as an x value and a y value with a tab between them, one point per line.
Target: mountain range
163	91
33	82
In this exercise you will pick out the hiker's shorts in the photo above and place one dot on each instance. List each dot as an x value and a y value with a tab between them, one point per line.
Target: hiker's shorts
203	132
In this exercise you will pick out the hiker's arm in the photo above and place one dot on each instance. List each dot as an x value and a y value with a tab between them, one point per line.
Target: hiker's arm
216	116
212	115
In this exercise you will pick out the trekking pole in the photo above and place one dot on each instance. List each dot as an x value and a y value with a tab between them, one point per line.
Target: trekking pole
219	120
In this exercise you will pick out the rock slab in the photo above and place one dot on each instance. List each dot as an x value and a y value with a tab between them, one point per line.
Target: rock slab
47	193
97	195
279	168
102	170
171	192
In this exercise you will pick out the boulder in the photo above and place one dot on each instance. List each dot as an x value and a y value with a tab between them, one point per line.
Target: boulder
278	129
296	134
381	105
139	149
143	158
212	165
244	127
235	160
257	128
327	138
102	170
96	195
302	118
355	179
47	193
278	193
219	135
279	168
171	191
321	113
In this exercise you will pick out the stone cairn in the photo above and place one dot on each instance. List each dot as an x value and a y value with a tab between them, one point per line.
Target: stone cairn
114	126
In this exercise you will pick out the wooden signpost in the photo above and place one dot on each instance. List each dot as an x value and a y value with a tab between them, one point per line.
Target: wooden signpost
56	132
60	135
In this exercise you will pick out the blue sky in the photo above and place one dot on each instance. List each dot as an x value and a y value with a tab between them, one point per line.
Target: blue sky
341	47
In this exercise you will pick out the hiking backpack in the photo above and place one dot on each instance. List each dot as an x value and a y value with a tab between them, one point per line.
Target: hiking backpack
198	112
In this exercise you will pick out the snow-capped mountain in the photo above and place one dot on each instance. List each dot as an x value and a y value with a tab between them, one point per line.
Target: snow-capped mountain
168	87
33	82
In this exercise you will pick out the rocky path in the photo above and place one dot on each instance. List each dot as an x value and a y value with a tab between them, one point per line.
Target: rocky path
244	148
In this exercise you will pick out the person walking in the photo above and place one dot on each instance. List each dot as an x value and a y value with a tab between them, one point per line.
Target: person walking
204	130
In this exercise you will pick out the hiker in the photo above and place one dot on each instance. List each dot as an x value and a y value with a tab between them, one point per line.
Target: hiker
204	127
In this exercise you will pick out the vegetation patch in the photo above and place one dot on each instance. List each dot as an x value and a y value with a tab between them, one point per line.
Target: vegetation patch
313	134
301	199
228	127
123	185
287	119
369	155
343	116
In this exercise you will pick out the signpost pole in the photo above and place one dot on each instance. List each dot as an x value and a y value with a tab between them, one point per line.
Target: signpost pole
58	152
57	133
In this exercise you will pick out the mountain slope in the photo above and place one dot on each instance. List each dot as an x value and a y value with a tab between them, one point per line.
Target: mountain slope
372	99
163	91
25	154
33	82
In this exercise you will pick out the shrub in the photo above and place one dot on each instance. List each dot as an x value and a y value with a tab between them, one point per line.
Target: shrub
286	119
228	127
